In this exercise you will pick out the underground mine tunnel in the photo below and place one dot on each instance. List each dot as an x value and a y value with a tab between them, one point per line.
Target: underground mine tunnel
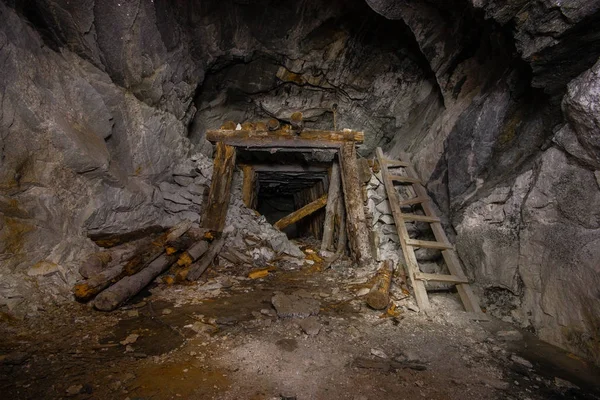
351	199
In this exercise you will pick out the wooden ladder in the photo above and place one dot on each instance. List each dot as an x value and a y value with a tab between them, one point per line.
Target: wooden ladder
408	244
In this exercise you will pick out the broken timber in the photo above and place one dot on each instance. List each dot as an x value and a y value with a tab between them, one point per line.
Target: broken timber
356	225
301	213
285	138
220	188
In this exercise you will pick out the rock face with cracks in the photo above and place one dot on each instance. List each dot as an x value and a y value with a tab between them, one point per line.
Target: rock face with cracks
104	108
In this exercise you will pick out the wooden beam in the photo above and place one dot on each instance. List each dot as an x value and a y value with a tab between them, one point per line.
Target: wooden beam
332	207
301	213
286	167
285	138
356	224
249	186
220	188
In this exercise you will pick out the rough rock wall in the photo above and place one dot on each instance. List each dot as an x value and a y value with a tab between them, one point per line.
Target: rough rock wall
517	177
79	155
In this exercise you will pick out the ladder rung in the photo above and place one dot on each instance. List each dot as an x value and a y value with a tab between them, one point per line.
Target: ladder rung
396	163
440	278
414	200
419	218
429	244
401	178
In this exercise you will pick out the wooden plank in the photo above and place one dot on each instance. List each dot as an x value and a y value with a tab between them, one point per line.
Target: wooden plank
220	188
440	278
287	167
284	138
429	244
405	179
249	186
412	201
419	218
301	213
332	206
410	259
356	224
464	290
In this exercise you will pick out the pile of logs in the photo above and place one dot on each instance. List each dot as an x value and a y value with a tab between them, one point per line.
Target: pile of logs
182	251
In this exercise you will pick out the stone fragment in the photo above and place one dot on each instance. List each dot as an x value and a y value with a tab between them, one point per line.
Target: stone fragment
521	361
509	336
294	306
183	180
378	353
310	326
386	219
363	292
74	390
130	339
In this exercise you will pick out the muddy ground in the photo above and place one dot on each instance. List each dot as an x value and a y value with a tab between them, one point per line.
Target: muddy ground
221	338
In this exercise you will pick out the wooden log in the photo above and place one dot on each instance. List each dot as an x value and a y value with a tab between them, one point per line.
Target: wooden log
220	188
285	138
297	122
229	125
86	290
129	286
301	213
331	208
356	225
197	269
155	249
192	254
341	226
273	124
95	263
379	296
249	187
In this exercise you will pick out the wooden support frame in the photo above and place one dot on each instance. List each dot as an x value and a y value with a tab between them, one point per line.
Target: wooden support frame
220	188
249	195
285	138
356	224
301	213
332	207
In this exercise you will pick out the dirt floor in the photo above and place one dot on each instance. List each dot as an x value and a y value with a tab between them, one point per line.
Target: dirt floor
221	338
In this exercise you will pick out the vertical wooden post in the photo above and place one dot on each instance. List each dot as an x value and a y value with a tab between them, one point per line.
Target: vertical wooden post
249	186
220	188
332	207
356	225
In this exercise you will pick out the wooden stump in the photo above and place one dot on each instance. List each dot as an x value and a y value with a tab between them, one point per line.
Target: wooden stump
249	187
379	296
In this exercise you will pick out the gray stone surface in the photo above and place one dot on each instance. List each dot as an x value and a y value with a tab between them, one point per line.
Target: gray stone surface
295	306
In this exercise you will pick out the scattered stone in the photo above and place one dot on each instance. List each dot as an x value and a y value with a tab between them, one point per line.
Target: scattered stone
378	353
413	307
294	306
130	339
521	361
166	311
562	383
509	336
129	349
363	292
310	326
74	390
133	313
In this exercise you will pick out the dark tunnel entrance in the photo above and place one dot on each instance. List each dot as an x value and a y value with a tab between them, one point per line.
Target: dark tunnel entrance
287	181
